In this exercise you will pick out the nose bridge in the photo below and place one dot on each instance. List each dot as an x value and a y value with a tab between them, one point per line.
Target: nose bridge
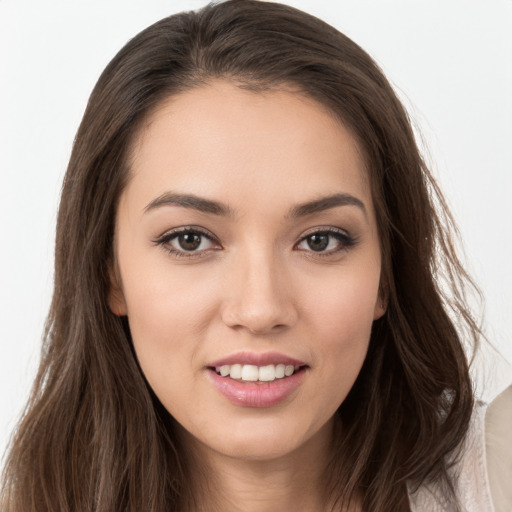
258	297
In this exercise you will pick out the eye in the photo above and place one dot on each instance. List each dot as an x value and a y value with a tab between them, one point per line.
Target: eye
187	242
190	241
326	241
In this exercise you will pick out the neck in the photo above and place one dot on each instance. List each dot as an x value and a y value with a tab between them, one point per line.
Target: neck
288	484
295	481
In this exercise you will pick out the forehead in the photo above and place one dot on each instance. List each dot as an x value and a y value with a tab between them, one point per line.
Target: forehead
224	141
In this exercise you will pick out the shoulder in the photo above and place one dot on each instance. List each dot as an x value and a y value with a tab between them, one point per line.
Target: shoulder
482	472
498	445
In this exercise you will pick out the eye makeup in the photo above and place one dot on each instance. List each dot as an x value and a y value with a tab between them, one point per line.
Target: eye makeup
197	242
326	241
188	242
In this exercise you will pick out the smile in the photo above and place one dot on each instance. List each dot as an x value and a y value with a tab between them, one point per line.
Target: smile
249	379
253	373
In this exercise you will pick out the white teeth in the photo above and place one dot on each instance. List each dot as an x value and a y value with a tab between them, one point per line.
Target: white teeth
252	373
224	370
236	371
267	373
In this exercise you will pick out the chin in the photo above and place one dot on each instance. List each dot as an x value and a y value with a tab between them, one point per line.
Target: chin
257	448
262	440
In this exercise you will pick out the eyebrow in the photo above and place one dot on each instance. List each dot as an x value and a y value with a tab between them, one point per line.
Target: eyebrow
326	203
204	205
189	201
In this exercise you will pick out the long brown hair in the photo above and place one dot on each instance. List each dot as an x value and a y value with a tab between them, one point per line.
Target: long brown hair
94	436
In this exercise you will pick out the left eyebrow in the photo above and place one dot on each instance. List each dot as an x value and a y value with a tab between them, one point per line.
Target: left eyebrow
189	201
326	203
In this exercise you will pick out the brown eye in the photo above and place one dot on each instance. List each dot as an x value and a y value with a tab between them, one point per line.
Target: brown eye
318	242
326	241
189	241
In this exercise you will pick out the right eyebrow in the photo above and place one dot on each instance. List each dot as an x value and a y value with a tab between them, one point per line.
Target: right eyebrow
326	203
189	201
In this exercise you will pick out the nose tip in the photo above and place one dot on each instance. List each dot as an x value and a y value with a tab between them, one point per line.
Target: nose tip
257	320
259	303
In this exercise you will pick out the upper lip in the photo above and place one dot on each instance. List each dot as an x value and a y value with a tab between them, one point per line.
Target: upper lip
257	359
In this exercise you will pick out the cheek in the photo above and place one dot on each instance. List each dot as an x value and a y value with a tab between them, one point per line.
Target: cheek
341	315
345	336
168	315
162	296
345	303
167	305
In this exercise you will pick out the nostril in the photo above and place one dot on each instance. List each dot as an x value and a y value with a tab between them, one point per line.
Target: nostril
258	307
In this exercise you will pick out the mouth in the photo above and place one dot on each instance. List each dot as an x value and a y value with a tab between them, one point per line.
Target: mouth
250	379
250	373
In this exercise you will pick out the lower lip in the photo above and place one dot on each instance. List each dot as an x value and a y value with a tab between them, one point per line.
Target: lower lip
252	394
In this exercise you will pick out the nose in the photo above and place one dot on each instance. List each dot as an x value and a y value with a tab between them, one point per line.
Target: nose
259	296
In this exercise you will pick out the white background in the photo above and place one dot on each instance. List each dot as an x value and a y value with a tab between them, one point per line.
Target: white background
450	60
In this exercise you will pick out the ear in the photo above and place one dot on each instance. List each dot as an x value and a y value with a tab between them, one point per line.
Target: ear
116	300
381	305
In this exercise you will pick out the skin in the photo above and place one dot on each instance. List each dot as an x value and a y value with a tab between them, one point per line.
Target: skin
257	286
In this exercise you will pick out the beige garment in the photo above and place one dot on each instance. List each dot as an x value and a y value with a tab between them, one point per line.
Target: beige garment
498	443
483	474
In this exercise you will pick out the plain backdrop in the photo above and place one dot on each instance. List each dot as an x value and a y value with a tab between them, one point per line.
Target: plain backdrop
449	60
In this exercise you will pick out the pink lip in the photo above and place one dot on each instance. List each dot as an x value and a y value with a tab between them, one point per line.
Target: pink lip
257	394
256	359
252	394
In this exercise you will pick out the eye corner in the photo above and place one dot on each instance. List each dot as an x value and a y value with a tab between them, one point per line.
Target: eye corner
332	240
165	241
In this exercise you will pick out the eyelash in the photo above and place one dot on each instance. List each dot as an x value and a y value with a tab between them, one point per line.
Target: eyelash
347	241
166	238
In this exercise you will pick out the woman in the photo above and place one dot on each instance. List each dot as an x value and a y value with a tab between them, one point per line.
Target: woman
247	312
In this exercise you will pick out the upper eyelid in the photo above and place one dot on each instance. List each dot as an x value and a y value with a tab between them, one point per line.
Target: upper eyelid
324	229
344	237
170	233
164	241
184	229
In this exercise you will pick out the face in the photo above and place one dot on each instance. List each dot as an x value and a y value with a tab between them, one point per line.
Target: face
248	266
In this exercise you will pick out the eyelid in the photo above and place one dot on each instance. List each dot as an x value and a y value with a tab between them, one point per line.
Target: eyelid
325	229
185	229
346	240
344	237
164	239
